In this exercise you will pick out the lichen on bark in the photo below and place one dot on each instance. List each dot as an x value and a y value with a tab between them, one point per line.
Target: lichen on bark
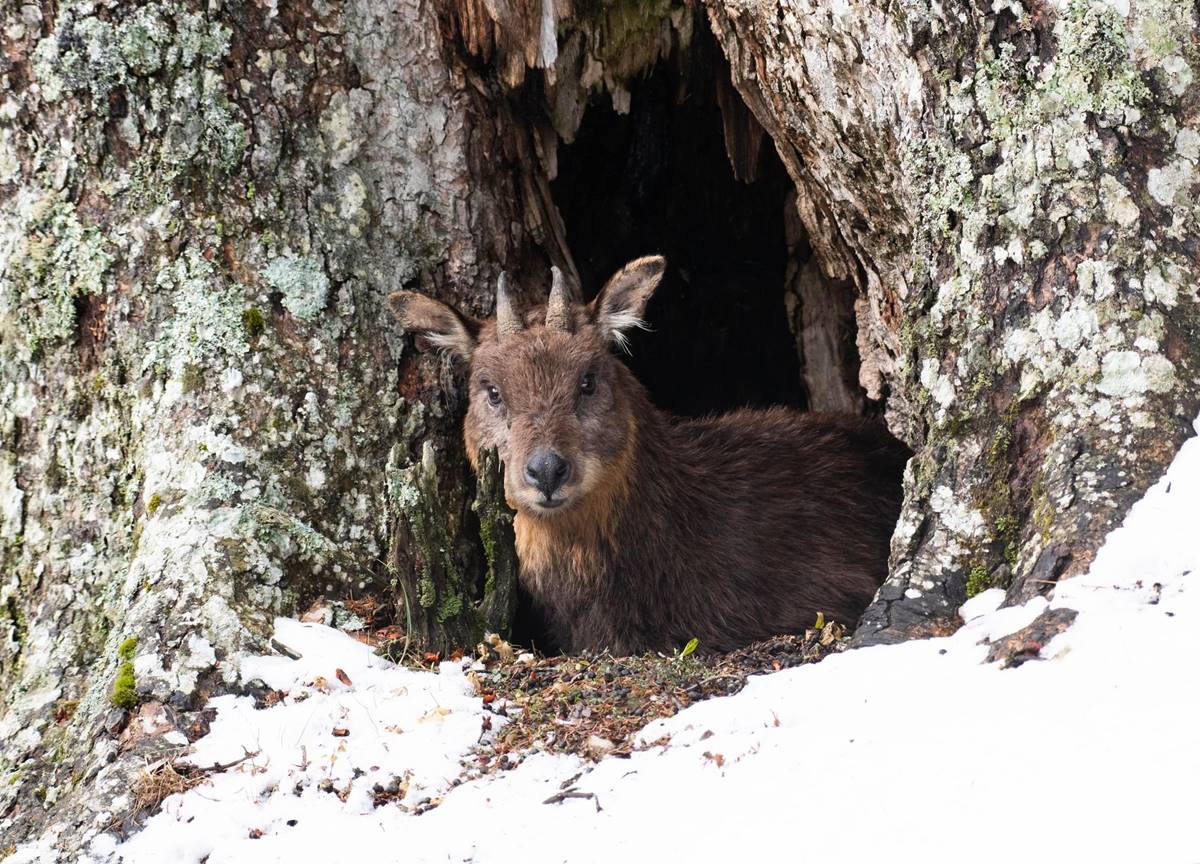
52	261
498	606
187	448
998	181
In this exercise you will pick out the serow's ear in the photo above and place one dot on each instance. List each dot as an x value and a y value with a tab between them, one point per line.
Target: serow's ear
437	322
622	301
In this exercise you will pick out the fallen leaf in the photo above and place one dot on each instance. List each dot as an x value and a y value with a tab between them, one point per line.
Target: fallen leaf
269	699
435	714
343	677
340	732
318	613
502	648
598	747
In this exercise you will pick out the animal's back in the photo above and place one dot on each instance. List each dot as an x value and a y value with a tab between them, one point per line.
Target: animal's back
769	468
747	525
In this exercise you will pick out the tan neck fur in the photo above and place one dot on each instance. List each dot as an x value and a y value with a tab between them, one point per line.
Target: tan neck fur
568	546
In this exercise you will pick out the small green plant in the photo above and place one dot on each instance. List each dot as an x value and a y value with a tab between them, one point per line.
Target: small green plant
978	580
690	647
124	692
153	504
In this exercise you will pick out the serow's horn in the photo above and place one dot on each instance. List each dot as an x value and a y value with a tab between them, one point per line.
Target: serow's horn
507	322
558	313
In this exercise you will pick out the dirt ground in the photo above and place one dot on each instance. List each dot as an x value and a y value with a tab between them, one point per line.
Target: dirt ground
594	705
591	705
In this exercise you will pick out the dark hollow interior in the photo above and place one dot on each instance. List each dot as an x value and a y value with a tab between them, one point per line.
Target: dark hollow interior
658	181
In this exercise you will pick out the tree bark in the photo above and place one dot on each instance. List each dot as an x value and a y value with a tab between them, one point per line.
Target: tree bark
1011	190
202	210
207	419
454	582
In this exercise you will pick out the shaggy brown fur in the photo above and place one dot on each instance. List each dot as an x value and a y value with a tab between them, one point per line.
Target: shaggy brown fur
730	529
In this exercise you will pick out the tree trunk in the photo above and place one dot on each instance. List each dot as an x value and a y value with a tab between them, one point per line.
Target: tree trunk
1011	189
202	215
208	419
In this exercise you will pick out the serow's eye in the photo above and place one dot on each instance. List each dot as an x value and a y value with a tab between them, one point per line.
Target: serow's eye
587	384
493	395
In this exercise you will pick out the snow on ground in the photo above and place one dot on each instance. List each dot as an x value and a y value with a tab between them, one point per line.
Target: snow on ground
915	752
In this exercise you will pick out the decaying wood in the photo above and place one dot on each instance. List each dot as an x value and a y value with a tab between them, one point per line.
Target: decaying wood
451	589
821	313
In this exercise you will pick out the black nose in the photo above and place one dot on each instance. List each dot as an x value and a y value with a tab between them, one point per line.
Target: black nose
547	471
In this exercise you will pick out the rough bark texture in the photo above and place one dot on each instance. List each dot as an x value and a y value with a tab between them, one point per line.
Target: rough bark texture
202	213
1011	188
205	416
454	581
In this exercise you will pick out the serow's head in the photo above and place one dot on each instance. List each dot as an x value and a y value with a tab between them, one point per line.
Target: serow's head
545	388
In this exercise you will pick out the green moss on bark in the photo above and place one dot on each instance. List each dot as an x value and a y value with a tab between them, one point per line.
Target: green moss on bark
978	580
499	603
124	691
450	596
253	322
